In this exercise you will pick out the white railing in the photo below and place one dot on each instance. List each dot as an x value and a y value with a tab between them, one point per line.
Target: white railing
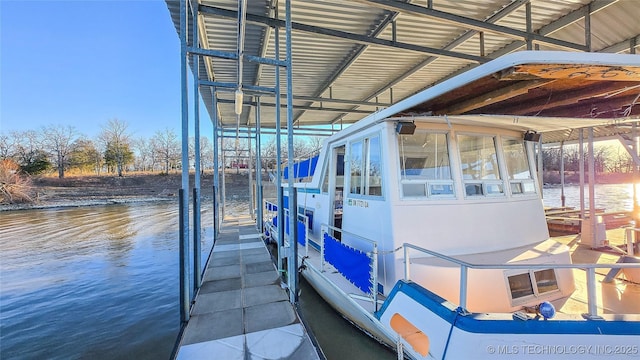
464	266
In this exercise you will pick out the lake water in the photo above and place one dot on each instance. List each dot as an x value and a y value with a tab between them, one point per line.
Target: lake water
611	197
101	282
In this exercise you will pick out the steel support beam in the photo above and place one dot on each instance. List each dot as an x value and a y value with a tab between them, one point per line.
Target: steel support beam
259	199
197	229
304	107
216	167
184	190
470	23
513	6
628	44
280	216
351	37
292	273
268	91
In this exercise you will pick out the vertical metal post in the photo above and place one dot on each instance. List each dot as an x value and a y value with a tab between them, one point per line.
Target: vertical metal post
463	287
250	168
292	262
562	197
197	231
280	211
223	187
540	164
581	168
592	302
184	193
293	208
216	167
634	148
375	275
407	263
260	202
592	182
587	28
527	8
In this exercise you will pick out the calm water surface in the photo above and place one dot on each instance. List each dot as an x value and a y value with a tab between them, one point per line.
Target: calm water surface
611	197
101	282
94	282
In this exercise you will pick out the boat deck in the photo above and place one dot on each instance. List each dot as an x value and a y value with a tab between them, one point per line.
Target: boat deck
241	311
617	297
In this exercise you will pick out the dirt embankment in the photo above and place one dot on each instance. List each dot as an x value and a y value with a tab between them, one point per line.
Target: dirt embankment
98	190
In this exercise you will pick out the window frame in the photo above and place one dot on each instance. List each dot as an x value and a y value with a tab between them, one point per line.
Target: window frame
534	286
428	184
521	182
365	167
484	185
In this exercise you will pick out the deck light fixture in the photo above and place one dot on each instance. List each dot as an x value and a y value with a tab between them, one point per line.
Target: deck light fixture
531	135
405	128
239	99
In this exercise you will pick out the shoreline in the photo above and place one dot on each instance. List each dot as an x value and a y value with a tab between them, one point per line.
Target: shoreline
92	190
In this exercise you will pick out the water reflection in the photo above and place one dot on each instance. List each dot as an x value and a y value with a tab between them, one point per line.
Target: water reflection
98	282
611	197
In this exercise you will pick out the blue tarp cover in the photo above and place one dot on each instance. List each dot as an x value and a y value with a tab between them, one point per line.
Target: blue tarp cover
353	264
303	168
301	229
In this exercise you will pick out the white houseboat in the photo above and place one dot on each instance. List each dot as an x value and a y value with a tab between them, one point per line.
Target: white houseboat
424	224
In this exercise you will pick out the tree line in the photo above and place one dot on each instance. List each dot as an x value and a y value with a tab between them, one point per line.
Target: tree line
607	159
61	149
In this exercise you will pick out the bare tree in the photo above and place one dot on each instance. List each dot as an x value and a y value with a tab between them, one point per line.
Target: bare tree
7	147
117	142
58	141
144	152
315	143
28	152
206	152
166	147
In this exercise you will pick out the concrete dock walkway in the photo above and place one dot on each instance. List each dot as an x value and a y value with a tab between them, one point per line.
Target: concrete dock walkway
241	311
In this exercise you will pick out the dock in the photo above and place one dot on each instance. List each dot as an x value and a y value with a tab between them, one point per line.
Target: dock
241	310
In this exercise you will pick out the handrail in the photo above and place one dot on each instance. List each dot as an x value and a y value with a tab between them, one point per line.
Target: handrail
373	255
464	266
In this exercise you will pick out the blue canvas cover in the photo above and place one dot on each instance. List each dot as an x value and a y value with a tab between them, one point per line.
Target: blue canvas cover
352	263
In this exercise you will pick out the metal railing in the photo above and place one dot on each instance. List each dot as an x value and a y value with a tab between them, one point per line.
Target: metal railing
465	266
270	213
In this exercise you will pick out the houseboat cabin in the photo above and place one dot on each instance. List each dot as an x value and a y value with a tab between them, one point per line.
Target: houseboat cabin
423	224
445	185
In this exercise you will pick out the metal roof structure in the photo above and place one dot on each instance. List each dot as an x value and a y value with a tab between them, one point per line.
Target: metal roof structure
333	62
352	58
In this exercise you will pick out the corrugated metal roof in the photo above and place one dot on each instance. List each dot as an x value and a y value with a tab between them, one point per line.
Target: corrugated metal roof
346	68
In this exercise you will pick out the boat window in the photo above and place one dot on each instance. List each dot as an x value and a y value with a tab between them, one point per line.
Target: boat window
355	166
531	284
366	167
520	285
546	281
424	165
520	179
479	161
325	181
373	185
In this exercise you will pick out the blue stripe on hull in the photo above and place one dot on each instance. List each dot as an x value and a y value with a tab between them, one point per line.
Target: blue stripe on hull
504	324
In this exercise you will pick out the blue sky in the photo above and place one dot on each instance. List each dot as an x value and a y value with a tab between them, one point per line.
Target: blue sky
81	63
